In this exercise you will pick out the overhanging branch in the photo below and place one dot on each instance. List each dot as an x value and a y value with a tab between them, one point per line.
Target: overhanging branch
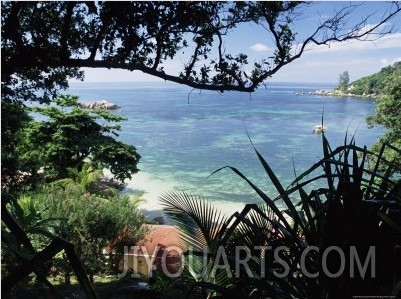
126	40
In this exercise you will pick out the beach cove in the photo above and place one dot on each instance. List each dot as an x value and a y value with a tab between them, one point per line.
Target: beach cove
184	135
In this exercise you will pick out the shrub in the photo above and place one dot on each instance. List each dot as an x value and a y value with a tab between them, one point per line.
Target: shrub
88	221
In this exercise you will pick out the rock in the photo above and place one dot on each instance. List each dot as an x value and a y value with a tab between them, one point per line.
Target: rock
339	93
106	183
159	220
323	92
103	104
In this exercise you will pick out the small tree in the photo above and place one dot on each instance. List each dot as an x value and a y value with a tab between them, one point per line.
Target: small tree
343	80
70	135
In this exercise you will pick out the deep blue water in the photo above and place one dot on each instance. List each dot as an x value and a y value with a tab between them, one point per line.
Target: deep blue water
184	135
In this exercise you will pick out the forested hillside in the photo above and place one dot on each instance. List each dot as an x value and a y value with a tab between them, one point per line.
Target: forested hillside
374	84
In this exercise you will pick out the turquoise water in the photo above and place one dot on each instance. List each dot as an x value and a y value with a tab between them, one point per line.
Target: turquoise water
184	135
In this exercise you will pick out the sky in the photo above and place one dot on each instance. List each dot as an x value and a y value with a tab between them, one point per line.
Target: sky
321	64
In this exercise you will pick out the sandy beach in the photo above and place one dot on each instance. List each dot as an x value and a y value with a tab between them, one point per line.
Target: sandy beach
152	188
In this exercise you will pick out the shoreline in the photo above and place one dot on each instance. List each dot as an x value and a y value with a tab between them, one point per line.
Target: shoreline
148	188
334	93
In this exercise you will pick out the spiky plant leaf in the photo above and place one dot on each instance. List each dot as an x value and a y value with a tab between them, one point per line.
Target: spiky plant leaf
270	203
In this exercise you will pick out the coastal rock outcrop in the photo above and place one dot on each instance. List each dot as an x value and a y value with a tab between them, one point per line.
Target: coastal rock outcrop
337	93
103	104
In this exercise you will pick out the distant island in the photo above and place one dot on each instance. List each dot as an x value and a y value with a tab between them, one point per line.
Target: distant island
367	87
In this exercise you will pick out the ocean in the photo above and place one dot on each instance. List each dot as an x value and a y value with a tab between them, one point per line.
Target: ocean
184	135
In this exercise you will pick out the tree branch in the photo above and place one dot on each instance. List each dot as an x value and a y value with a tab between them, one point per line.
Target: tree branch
156	73
123	38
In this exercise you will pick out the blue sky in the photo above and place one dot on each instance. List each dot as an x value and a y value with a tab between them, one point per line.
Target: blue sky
320	64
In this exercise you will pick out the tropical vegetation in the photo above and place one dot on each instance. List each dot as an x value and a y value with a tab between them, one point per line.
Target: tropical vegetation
384	86
372	84
77	211
388	114
69	136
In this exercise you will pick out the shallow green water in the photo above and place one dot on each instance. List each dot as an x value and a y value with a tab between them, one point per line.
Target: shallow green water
184	136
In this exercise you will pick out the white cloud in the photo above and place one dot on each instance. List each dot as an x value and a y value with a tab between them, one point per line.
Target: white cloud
371	27
386	62
258	47
390	41
396	60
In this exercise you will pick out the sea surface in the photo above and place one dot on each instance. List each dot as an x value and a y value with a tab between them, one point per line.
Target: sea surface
184	135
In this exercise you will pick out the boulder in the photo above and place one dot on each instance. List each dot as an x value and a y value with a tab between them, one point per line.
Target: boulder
103	104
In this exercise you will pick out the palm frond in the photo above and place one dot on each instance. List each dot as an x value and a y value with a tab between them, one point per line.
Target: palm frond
200	223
